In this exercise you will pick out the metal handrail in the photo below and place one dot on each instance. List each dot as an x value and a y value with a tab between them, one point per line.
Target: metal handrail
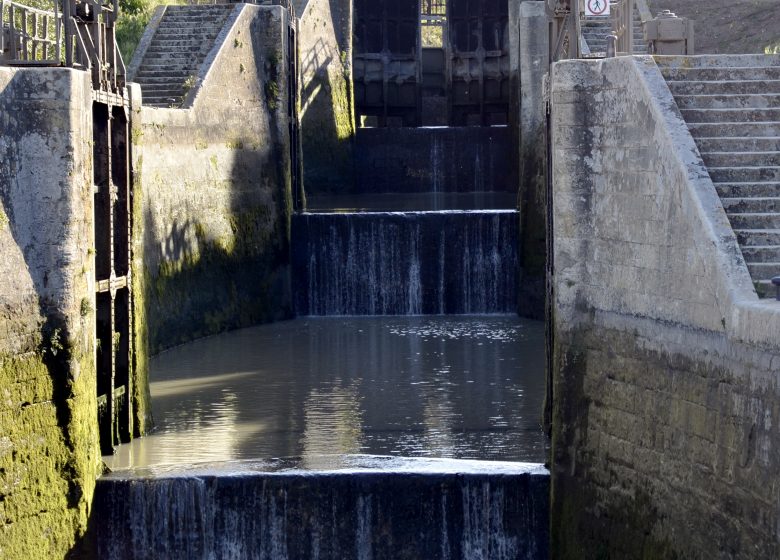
622	17
565	16
80	35
29	33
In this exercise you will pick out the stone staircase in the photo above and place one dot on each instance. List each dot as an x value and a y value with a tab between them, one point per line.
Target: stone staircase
178	48
732	108
596	29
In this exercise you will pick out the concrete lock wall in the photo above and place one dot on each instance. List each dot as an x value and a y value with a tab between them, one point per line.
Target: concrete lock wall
665	390
213	191
532	61
327	103
49	452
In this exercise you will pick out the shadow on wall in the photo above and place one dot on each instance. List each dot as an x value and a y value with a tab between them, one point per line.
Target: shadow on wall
327	120
199	284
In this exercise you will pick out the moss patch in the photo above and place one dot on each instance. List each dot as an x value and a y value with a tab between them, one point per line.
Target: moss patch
240	280
49	457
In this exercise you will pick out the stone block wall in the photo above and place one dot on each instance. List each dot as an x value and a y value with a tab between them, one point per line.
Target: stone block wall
327	100
213	191
665	393
49	452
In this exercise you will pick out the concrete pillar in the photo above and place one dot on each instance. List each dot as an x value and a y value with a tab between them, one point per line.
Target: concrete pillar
533	65
669	34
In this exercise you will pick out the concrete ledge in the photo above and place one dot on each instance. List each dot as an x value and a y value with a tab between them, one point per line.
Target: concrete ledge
722	279
397	509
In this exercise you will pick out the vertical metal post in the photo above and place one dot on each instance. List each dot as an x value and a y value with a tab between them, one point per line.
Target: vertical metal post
2	27
629	23
12	31
67	23
35	42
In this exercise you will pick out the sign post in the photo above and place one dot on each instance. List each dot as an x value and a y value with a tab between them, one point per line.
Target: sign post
596	8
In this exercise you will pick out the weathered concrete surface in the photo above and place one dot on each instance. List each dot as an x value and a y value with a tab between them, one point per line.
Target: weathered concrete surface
533	64
665	385
213	200
417	160
327	99
49	453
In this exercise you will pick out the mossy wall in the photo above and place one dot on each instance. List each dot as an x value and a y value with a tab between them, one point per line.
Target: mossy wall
212	191
326	104
49	452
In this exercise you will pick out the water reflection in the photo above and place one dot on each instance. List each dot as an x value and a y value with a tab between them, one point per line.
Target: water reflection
460	387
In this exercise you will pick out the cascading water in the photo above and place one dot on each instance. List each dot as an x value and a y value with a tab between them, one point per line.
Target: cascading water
328	388
409	263
372	509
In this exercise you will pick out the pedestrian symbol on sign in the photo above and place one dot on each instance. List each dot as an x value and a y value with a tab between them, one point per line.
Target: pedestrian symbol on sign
597	8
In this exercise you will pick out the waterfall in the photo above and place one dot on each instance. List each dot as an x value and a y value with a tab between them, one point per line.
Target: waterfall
460	262
362	514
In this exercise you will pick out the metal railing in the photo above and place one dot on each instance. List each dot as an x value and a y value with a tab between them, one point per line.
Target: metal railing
622	17
75	34
30	35
565	31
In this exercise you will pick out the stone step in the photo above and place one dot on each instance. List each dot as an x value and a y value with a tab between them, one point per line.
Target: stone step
744	174
741	159
764	270
758	220
199	8
766	189
730	115
163	102
194	31
177	73
601	42
761	253
174	28
734	101
726	144
175	43
765	289
160	52
211	22
180	44
757	237
162	94
731	73
744	129
176	88
201	15
159	82
724	87
751	205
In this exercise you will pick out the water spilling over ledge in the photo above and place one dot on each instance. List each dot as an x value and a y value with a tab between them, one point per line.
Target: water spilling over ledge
361	507
405	263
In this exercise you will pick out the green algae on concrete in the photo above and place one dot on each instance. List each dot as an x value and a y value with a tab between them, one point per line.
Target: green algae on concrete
49	457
